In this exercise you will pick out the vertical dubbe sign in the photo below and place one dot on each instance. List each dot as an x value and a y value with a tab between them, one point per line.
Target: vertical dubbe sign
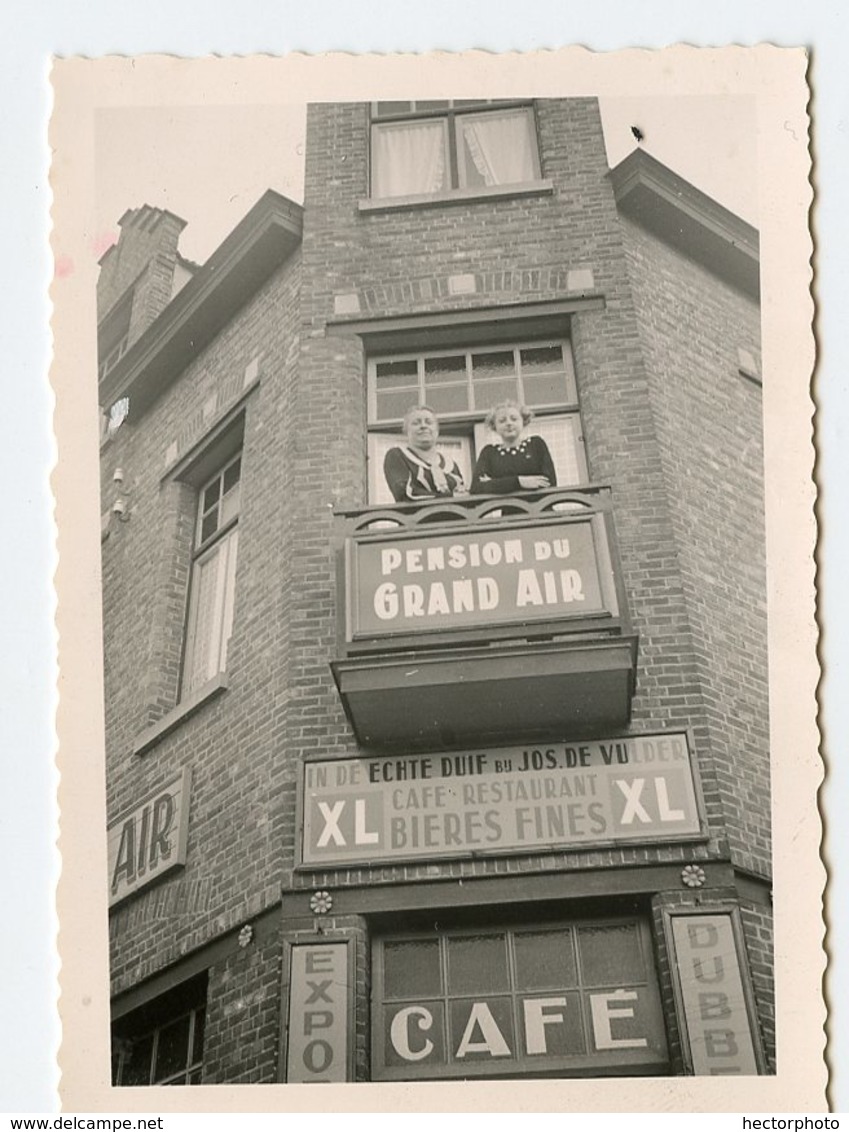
317	1049
714	1001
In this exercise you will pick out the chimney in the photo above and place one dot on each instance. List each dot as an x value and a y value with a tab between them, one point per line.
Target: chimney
136	277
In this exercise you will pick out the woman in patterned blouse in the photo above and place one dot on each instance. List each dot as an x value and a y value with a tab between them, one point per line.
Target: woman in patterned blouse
417	470
519	462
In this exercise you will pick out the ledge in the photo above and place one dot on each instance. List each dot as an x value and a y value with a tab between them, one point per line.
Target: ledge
151	735
458	196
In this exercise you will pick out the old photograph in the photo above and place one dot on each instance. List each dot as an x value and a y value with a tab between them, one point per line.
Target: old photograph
435	610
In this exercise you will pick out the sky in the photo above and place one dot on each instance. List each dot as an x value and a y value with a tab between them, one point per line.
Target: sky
180	157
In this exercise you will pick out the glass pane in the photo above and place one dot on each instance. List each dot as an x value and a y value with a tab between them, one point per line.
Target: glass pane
433	104
411	968
542	359
448	398
552	1025
135	1069
489	393
495	148
561	436
393	406
482	1030
231	475
414	1034
396	375
544	959
409	158
200	1026
610	955
546	389
230	504
441	371
209	525
199	662
172	1053
477	963
210	495
495	363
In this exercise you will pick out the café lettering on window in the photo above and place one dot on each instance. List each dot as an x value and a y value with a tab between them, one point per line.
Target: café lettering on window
556	999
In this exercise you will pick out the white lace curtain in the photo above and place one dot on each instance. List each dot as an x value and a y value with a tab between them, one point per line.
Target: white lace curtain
408	158
499	146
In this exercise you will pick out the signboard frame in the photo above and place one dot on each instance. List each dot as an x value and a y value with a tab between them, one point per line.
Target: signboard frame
732	912
184	777
388	857
314	939
611	617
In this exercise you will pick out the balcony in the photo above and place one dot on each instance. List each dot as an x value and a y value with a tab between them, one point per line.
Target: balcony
482	619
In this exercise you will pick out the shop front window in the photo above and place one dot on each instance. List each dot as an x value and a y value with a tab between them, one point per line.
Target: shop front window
565	999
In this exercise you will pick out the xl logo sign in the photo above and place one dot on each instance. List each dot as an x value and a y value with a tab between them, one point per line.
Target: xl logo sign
347	821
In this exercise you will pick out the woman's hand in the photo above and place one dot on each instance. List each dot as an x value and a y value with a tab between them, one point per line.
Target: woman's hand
529	483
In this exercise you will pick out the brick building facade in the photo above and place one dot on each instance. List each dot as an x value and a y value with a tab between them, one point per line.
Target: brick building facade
447	788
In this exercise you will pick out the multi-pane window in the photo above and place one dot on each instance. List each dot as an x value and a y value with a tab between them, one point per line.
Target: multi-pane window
497	1001
213	580
162	1044
429	147
461	386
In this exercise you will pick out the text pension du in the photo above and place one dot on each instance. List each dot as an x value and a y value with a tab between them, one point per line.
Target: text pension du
534	587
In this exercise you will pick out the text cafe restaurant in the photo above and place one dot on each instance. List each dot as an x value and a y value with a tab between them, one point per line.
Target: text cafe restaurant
503	741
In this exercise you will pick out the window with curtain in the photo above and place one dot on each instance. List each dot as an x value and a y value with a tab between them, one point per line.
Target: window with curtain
426	148
213	580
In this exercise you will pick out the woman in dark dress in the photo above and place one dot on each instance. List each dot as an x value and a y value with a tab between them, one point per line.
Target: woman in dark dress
519	462
418	470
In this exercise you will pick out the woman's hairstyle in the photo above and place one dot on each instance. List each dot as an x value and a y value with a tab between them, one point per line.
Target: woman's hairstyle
417	409
489	420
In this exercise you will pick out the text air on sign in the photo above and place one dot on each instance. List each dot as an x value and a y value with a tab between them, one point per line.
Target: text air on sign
639	788
150	839
469	579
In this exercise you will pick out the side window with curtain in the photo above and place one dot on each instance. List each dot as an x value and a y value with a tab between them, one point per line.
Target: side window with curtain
426	148
213	578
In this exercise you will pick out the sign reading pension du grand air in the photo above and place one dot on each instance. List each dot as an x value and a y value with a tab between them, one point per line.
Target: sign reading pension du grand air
540	571
510	798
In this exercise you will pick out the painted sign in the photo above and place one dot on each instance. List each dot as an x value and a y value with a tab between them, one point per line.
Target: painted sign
510	798
148	841
318	1013
466	579
718	1026
517	1000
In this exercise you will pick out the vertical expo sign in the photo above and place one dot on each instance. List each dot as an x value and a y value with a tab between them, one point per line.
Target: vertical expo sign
317	1049
715	1000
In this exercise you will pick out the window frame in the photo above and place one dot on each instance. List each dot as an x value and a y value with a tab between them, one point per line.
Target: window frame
222	543
469	422
520	1064
456	108
153	1019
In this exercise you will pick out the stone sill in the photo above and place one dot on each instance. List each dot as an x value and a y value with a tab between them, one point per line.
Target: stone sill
458	196
174	718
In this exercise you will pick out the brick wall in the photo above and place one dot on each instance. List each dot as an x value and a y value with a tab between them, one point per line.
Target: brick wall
708	421
235	744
